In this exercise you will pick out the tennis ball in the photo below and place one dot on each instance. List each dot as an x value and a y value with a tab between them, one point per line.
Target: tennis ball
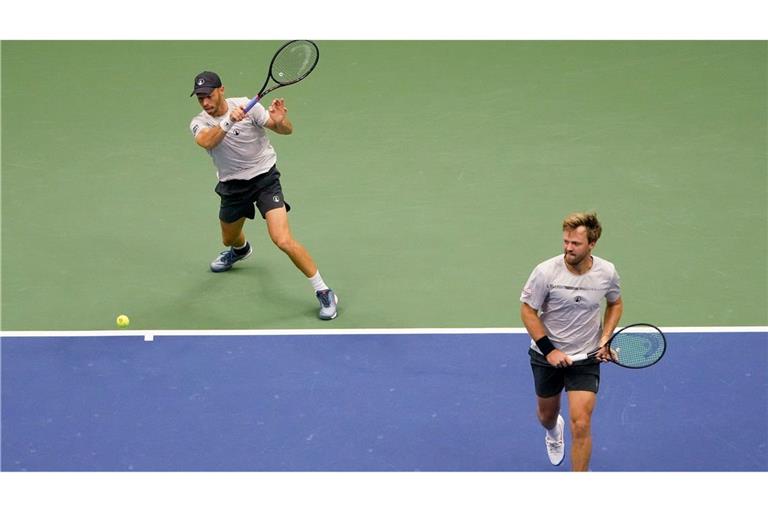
123	321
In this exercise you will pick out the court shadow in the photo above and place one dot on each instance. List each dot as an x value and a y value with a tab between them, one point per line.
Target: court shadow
246	297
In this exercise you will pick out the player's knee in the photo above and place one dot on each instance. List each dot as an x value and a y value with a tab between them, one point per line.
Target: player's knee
284	243
580	427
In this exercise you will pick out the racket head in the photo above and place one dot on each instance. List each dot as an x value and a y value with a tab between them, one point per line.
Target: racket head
294	61
638	346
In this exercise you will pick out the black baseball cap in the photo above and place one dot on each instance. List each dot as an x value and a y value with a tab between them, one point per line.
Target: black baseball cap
205	82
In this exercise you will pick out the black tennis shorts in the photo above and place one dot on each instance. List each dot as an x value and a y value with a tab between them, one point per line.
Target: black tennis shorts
550	380
240	198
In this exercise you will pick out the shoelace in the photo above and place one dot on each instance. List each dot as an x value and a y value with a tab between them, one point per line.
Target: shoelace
551	443
325	298
227	256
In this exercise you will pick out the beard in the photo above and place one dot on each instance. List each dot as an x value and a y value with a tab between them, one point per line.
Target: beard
573	259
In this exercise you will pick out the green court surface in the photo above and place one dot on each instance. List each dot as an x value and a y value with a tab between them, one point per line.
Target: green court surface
427	179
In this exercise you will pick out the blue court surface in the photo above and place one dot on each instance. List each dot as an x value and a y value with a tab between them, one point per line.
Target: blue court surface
365	401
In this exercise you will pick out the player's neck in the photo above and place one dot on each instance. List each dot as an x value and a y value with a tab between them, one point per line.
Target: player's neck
223	109
580	268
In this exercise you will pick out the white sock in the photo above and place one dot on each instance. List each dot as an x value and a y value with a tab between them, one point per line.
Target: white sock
317	282
241	247
554	433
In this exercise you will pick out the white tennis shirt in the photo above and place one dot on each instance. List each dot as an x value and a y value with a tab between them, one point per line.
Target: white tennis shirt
245	151
569	304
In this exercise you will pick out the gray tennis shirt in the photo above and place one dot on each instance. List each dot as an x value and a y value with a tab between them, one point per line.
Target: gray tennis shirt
245	152
569	304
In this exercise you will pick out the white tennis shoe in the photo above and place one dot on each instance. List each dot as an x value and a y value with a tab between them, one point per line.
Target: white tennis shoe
556	447
328	301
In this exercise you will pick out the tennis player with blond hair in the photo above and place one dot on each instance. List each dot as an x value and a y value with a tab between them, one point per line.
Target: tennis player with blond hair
561	310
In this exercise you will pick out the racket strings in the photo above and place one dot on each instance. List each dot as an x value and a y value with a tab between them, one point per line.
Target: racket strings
294	62
638	350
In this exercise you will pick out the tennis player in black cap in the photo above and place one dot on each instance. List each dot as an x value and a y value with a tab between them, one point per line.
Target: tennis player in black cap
245	164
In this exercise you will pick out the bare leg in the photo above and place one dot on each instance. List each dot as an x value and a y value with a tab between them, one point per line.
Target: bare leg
581	405
280	233
547	410
232	233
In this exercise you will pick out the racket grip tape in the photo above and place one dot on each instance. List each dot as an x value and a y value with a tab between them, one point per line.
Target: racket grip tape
579	357
251	103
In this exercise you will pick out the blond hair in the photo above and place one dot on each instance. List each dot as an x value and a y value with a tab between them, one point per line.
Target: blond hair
588	220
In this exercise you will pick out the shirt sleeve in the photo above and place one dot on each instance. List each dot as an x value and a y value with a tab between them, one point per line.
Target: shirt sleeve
614	290
259	115
535	290
196	125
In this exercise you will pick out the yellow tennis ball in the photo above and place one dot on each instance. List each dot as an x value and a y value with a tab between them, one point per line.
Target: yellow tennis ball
123	321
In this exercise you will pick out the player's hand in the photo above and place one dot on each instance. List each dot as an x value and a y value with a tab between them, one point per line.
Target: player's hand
277	110
605	354
237	114
559	359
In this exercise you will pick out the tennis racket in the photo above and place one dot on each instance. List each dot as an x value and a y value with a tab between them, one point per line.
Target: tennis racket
634	346
291	64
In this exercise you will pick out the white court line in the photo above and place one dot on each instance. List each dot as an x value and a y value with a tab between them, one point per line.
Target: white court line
149	335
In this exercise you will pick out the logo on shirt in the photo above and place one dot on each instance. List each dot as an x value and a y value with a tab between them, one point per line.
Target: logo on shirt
276	199
575	288
579	298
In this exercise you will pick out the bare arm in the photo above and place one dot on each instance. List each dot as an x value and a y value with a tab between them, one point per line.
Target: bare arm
532	322
278	120
209	138
611	319
536	329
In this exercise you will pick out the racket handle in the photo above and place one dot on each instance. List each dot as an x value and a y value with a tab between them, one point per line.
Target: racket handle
251	103
579	357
